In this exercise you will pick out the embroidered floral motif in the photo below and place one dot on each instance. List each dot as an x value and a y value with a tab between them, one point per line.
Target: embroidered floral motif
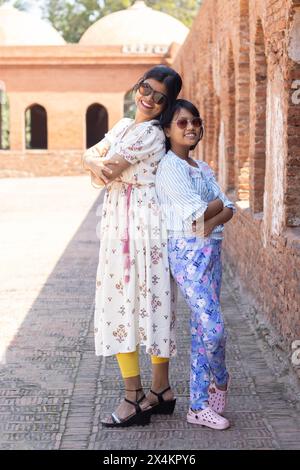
156	231
120	333
154	350
172	347
119	287
155	254
143	313
155	302
122	310
151	202
143	289
149	129
142	334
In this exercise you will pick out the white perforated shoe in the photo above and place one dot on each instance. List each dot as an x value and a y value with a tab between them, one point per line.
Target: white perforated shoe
209	418
217	398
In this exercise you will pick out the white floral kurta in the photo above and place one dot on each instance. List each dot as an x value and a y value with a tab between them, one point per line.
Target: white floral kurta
141	310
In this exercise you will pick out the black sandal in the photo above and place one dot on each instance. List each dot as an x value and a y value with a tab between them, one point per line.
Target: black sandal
139	418
163	407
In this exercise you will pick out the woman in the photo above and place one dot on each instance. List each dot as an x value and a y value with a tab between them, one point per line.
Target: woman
134	293
195	210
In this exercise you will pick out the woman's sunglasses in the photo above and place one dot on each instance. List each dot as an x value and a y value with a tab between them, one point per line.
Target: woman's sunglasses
183	122
146	90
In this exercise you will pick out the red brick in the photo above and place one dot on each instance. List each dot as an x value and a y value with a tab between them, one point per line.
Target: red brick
266	264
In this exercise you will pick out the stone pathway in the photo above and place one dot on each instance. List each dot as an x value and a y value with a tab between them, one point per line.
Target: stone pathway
53	389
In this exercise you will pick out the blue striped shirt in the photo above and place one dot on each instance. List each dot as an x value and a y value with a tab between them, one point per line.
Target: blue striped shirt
184	193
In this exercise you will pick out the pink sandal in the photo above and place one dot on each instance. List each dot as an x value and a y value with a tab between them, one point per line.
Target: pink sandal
208	418
217	398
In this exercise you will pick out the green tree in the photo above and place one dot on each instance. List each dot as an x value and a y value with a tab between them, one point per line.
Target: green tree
4	121
115	5
183	10
73	17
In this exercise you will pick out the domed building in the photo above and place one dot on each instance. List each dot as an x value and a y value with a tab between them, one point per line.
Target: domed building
138	28
19	28
57	99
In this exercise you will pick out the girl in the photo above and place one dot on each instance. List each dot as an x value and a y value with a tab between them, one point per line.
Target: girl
134	294
195	210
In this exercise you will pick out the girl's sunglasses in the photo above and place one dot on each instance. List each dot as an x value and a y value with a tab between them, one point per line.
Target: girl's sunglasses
183	122
146	90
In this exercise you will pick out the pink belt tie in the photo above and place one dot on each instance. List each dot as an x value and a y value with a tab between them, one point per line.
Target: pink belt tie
125	240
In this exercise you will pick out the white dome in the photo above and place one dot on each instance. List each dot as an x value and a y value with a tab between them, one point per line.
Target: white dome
18	28
136	26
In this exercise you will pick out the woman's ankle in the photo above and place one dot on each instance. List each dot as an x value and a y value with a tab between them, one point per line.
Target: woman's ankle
134	395
160	385
165	391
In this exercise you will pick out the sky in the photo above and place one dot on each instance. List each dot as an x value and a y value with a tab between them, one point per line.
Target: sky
33	6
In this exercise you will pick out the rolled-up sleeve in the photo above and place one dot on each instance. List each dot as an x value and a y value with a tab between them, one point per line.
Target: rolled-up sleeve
209	174
177	184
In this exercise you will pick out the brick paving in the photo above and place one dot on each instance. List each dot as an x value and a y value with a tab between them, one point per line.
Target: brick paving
53	389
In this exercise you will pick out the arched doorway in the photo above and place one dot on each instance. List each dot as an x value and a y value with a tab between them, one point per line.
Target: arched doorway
36	127
4	119
96	124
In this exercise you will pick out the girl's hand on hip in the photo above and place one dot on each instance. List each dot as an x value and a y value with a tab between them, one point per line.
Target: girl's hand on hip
209	225
201	229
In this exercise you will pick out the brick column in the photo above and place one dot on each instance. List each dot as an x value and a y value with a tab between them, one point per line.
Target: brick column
16	123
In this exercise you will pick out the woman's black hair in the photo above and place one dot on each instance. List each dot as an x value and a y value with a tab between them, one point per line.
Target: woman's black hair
168	118
172	82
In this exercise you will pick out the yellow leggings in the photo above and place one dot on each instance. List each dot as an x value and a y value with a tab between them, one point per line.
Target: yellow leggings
129	363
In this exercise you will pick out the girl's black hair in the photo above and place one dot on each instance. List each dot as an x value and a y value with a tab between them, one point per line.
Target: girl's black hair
172	82
168	118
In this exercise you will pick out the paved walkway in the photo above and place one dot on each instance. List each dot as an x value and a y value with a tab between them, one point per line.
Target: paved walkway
53	389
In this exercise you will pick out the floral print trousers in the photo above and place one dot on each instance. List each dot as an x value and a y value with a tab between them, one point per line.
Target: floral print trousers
195	264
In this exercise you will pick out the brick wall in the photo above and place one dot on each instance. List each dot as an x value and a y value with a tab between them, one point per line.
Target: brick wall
240	66
40	163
